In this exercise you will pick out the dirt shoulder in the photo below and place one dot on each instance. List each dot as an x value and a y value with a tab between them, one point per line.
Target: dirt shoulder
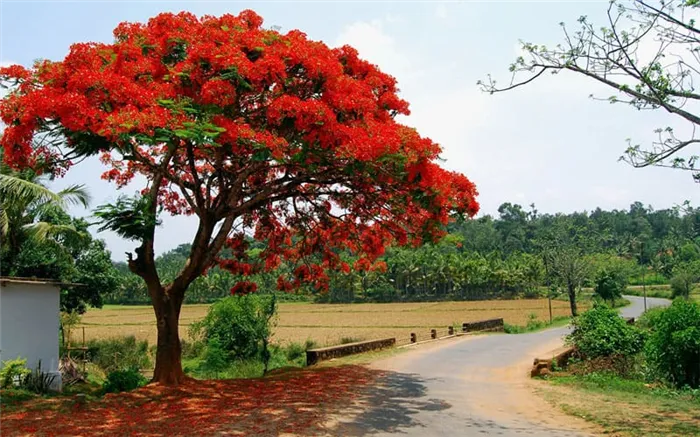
521	398
624	414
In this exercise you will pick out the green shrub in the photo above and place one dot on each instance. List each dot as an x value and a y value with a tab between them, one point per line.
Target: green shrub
192	349
124	380
648	279
119	353
610	284
534	324
348	340
294	351
513	329
37	381
683	283
215	358
310	344
13	371
601	332
673	348
241	325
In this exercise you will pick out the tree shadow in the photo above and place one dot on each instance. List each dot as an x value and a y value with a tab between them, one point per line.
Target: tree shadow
389	405
299	403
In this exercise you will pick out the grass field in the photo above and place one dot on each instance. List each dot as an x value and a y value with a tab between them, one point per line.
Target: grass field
663	291
327	324
626	408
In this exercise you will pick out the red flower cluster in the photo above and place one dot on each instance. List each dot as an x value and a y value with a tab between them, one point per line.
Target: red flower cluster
295	140
243	288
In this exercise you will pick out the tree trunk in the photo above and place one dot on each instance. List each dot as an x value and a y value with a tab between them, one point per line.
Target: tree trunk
572	300
168	369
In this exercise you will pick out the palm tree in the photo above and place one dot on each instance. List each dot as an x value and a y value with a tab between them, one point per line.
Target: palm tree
26	202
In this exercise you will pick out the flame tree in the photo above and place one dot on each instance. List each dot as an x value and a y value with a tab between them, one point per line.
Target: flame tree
255	132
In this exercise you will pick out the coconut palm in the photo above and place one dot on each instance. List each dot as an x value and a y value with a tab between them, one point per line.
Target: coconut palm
25	203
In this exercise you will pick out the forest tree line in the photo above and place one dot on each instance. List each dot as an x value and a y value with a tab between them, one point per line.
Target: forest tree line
515	254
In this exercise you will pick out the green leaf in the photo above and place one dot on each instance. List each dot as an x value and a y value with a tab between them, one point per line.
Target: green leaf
262	155
182	133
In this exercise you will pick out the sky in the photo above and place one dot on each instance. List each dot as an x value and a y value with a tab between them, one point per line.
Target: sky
548	143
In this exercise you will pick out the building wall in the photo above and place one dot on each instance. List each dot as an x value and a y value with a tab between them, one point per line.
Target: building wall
29	323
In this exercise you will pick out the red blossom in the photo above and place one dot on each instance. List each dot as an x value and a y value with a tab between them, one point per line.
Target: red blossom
288	404
243	288
272	135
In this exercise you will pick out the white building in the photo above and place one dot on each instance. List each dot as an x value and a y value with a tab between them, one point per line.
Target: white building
29	323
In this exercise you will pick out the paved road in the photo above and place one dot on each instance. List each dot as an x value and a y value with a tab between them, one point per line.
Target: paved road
453	389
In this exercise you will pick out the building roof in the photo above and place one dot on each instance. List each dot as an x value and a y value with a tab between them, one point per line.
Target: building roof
35	281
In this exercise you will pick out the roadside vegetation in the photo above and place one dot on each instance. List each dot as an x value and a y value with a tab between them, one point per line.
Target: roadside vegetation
635	380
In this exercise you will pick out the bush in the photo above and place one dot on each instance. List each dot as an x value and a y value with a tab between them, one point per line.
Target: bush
192	349
119	353
533	323
215	357
682	283
240	324
295	351
13	372
673	349
124	380
601	332
610	284
38	381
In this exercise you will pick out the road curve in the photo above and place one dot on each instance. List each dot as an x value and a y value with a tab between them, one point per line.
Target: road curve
472	386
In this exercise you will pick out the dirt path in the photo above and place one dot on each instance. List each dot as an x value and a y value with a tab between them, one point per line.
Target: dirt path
469	386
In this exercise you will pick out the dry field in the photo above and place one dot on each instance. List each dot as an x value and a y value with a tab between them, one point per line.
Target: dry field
327	324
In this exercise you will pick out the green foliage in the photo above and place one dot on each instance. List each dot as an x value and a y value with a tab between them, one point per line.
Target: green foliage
684	278
215	358
13	372
292	355
606	382
40	240
567	268
37	381
620	266
673	348
192	349
484	258
601	332
534	325
240	324
119	353
297	351
96	274
74	258
130	218
647	278
610	284
124	380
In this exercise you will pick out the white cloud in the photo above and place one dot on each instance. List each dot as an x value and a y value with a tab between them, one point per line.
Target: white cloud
377	46
446	115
